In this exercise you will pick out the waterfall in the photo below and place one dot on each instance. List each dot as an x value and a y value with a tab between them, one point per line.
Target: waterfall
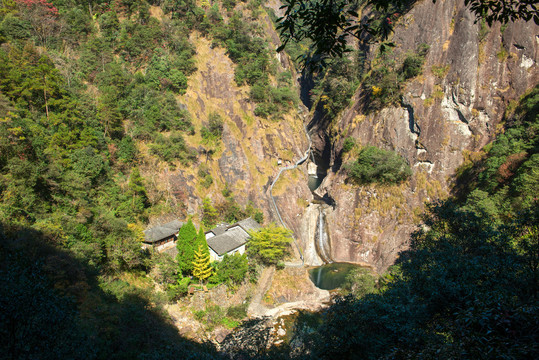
322	239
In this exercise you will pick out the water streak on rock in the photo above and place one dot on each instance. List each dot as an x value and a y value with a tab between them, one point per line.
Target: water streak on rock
323	247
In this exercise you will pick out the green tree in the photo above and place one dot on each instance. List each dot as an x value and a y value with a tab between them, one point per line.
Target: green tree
201	264
214	130
178	289
172	149
201	241
108	112
187	240
360	282
164	269
232	269
348	144
378	165
331	24
269	244
137	190
255	213
127	150
209	213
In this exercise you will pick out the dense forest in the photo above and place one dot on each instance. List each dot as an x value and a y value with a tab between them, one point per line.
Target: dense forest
82	82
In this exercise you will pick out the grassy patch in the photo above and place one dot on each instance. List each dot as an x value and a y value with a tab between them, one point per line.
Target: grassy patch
502	55
440	71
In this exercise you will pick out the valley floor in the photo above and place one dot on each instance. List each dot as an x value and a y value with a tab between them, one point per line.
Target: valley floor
277	293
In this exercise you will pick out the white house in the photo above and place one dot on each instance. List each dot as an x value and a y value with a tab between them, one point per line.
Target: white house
229	239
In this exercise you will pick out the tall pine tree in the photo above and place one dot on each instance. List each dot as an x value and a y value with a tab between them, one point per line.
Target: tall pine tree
201	241
186	245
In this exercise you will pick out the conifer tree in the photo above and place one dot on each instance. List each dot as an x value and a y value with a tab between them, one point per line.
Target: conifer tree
201	265
138	190
186	245
210	215
201	241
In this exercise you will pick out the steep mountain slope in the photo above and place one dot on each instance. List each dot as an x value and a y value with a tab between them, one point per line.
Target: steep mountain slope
468	286
246	157
448	112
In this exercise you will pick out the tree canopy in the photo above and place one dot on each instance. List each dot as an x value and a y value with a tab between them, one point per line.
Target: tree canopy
186	245
269	244
201	263
330	24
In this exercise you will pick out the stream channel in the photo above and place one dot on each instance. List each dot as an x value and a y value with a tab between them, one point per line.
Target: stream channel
331	275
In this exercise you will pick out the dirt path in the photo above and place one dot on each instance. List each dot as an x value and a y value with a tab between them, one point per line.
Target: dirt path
255	307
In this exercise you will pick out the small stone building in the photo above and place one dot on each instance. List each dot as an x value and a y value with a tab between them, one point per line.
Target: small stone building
229	239
162	237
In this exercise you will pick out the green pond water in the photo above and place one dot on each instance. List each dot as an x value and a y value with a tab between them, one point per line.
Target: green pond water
331	276
314	182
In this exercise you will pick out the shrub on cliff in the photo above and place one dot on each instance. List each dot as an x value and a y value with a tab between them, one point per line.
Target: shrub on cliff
375	165
348	144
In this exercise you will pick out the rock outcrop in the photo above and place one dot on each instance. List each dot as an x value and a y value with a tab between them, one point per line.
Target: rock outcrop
471	73
246	159
455	107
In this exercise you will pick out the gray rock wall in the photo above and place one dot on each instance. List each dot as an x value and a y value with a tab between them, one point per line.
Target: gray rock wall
441	119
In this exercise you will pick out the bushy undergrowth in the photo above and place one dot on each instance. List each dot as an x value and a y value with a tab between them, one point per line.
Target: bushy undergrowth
385	80
375	165
254	65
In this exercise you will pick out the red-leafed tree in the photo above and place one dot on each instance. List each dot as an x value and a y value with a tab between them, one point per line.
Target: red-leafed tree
43	17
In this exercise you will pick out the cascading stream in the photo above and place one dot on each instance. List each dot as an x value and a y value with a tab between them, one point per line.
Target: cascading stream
322	245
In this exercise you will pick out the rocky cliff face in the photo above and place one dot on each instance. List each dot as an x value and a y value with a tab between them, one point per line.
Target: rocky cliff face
471	73
455	107
246	159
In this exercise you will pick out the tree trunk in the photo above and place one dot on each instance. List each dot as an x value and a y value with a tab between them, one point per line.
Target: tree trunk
45	96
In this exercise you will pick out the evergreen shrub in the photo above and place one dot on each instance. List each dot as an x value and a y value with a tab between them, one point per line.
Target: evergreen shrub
375	165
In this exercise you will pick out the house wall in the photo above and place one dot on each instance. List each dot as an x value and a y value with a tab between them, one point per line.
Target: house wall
215	257
240	250
163	244
166	245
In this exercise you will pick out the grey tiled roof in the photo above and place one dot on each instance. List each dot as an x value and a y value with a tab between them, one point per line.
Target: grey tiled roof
219	229
230	240
161	232
249	224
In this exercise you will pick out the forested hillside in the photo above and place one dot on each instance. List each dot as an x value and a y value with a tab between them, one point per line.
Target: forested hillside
90	93
116	113
87	85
